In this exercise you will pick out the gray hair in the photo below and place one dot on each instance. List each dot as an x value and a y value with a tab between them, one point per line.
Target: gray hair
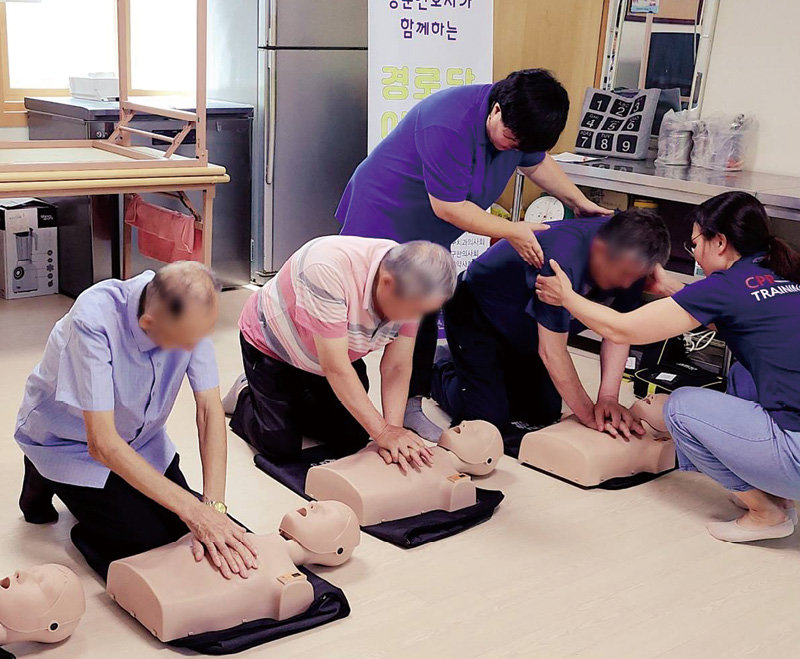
181	283
421	269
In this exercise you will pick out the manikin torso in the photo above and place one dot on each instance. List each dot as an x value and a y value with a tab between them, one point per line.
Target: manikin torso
378	492
174	596
43	603
587	457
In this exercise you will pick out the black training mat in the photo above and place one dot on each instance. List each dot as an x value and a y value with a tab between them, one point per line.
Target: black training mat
406	533
329	604
621	483
512	439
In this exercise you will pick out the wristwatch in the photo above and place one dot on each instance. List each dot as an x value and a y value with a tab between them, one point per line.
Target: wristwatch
219	506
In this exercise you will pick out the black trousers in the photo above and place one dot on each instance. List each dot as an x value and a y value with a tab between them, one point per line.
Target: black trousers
282	404
116	520
424	351
489	378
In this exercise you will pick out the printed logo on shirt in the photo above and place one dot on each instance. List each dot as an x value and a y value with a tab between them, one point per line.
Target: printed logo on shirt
764	287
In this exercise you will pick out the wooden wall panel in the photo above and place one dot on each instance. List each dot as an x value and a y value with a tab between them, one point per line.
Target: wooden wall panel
560	35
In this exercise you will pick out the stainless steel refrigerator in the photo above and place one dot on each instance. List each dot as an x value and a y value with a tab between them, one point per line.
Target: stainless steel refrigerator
312	116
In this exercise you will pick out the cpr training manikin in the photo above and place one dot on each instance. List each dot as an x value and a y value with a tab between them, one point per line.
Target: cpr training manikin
174	596
378	492
587	457
43	604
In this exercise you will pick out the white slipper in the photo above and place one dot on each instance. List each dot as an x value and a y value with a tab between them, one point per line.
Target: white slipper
733	532
791	511
232	397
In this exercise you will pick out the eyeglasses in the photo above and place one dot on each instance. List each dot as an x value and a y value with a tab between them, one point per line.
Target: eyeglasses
690	246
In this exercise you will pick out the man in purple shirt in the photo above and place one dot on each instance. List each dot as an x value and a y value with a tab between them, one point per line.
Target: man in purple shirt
92	422
434	176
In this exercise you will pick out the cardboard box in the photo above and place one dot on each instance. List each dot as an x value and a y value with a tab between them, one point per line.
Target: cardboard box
28	248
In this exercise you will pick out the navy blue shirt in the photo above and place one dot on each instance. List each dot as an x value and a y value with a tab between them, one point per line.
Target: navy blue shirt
503	285
439	148
757	313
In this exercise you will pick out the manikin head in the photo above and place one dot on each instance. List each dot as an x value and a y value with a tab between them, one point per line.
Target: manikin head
735	224
43	603
180	305
327	532
650	410
627	248
414	279
527	111
477	444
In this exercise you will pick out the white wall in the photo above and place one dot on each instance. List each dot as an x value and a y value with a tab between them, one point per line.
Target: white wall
754	68
13	134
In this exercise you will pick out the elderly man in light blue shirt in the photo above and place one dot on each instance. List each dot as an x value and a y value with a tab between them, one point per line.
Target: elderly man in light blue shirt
92	422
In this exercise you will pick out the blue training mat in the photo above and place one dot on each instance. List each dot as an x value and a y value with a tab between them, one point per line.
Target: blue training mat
407	532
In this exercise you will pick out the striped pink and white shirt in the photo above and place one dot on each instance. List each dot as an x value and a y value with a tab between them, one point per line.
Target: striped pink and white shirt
324	289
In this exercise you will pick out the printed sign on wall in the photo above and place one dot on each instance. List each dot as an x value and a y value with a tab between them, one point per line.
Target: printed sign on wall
467	248
417	47
644	7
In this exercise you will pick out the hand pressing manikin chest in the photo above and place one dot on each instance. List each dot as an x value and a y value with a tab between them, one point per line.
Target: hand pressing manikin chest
174	596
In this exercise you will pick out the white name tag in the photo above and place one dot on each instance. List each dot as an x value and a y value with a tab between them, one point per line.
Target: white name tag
630	364
666	377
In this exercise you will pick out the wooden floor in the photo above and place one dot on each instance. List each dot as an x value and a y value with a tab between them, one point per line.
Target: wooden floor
558	572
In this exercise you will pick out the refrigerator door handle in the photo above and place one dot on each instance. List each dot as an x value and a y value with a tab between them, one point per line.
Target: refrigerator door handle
264	8
272	33
271	110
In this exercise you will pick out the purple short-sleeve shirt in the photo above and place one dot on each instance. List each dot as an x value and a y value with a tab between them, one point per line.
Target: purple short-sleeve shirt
440	148
757	314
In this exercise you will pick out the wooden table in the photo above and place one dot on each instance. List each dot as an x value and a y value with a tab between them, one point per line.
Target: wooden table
62	180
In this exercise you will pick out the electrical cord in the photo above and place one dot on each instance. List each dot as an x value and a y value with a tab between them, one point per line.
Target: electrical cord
697	341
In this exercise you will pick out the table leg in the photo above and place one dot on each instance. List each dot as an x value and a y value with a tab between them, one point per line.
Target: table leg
516	207
208	223
127	237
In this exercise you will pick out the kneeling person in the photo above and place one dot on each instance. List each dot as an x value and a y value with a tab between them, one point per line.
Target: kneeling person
304	334
92	423
509	350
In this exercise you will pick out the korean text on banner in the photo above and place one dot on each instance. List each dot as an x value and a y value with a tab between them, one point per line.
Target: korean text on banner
417	47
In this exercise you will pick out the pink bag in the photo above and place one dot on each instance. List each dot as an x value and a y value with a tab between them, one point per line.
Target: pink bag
163	234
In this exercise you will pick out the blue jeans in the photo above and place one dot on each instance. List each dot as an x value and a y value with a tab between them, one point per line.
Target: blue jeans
732	439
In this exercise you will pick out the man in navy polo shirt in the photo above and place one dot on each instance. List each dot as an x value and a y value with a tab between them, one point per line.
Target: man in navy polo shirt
509	350
434	176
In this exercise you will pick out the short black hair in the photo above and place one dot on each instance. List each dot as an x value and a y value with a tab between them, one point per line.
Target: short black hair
534	107
639	230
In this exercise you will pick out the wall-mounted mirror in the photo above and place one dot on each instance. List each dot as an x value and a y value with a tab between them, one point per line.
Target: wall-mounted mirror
662	44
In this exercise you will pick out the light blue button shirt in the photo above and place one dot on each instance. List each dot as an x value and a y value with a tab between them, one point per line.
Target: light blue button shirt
98	359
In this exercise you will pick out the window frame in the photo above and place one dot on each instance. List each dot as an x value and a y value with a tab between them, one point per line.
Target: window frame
12	99
12	107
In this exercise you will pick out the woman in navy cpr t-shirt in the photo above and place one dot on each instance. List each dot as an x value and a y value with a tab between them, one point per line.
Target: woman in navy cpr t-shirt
748	439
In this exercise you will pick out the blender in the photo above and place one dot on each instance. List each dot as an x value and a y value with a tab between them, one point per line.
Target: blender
24	272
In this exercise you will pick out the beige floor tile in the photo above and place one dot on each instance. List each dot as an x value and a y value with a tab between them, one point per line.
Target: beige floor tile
558	572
